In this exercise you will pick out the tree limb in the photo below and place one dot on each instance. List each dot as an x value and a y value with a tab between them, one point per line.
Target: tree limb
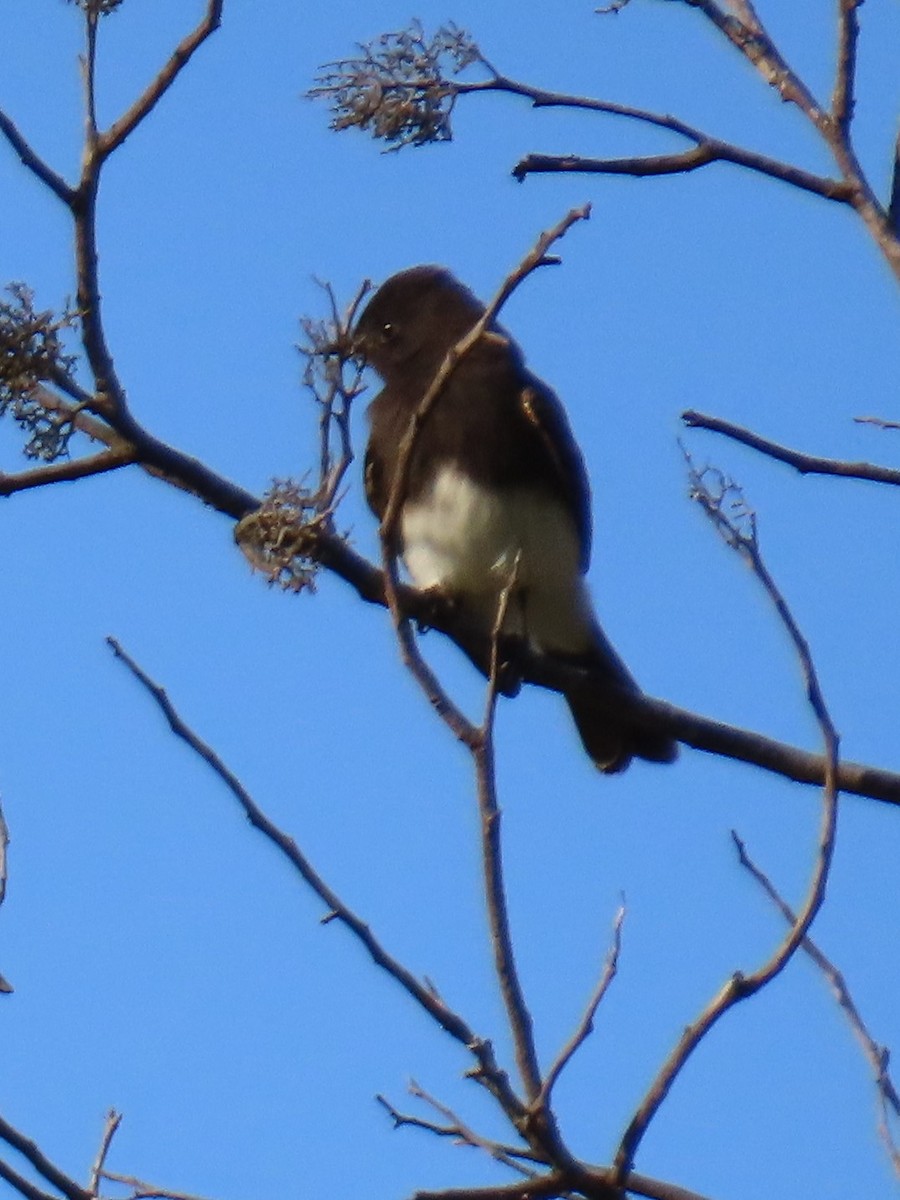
740	987
708	151
144	105
32	1154
487	1072
876	1055
806	464
31	160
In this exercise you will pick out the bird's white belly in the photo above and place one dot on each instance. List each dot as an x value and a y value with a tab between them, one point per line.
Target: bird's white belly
465	539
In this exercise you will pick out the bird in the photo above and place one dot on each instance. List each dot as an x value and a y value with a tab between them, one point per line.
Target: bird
497	500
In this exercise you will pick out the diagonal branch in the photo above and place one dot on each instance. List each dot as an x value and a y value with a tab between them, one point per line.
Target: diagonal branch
806	464
30	159
23	1186
144	105
487	1071
740	987
876	1055
586	1025
748	35
32	1154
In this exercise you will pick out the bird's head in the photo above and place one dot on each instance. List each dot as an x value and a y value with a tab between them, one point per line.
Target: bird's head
415	316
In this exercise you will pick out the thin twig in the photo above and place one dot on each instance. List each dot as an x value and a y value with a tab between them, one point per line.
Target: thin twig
740	987
843	98
487	1071
586	1025
517	1012
876	1055
98	1170
32	161
4	843
507	1155
5	986
459	1131
806	464
879	422
142	1190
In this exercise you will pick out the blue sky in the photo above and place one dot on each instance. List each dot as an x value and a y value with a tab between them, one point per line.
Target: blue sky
165	961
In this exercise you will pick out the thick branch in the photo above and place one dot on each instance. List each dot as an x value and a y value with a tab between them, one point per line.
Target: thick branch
32	1153
22	1185
806	464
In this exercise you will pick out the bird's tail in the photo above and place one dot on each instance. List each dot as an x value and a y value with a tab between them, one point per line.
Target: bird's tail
612	740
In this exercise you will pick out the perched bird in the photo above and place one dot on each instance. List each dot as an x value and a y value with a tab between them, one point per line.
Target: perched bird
496	491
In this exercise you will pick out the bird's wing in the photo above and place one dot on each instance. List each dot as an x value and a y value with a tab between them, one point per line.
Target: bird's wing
546	415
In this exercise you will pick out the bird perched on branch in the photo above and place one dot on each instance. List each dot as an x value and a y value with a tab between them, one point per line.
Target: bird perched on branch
495	495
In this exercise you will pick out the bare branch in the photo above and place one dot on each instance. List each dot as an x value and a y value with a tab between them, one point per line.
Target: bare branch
22	1185
181	56
60	472
32	1153
141	1190
729	513
806	464
34	163
748	35
879	422
586	1025
693	729
894	202
328	351
457	1130
843	98
708	151
113	1121
876	1055
527	1189
487	1071
507	1155
517	1013
5	986
4	843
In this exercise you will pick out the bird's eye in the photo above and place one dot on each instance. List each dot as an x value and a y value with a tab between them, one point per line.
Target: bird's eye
388	332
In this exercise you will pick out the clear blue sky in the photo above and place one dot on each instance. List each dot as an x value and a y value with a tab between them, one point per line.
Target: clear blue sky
165	961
